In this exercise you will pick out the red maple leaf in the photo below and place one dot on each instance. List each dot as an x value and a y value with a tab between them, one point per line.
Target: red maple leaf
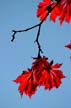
27	83
62	10
45	7
68	46
47	74
42	73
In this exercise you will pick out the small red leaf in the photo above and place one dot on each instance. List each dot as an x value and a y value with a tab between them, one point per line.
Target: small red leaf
68	46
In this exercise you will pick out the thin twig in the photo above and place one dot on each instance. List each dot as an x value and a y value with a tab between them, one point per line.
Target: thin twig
37	25
18	31
49	8
37	41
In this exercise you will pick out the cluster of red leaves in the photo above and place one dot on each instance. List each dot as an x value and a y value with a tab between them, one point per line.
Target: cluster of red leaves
62	10
42	73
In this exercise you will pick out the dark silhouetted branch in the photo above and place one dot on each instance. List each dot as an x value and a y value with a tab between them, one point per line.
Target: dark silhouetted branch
49	8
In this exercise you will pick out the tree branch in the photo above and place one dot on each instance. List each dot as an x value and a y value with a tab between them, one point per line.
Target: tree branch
49	8
18	31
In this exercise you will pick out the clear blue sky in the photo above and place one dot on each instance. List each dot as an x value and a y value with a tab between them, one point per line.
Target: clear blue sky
17	56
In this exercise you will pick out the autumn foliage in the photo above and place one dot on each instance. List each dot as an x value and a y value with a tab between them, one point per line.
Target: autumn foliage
61	9
42	72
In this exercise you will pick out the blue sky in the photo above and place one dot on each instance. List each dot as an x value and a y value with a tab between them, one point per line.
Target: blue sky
17	56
